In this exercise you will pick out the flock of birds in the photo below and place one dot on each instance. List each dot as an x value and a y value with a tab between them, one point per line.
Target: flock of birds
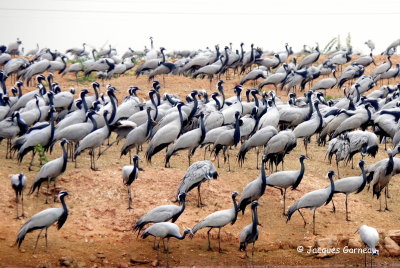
353	124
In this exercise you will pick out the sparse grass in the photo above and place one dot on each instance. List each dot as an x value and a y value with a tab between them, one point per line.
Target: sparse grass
42	155
84	79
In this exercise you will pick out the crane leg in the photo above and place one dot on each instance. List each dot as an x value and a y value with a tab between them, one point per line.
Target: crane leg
54	191
37	240
347	213
16	204
209	242
252	251
284	202
258	153
199	202
48	190
333	207
189	156
45	235
386	194
301	214
314	222
219	240
129	198
31	163
154	244
229	163
22	201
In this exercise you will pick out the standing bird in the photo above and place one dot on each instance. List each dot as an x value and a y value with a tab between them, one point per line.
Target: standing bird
138	135
162	213
130	174
381	179
351	184
370	237
190	141
260	138
218	220
227	138
370	44
253	190
196	174
166	135
50	171
18	183
284	179
309	59
313	200
278	146
308	128
165	230
93	140
43	220
326	83
249	233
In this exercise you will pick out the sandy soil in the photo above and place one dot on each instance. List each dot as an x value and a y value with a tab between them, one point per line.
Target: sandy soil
98	230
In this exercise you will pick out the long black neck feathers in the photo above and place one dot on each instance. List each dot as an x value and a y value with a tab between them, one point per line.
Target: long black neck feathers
180	120
114	107
255	221
320	121
65	157
194	109
23	127
64	215
310	106
149	126
93	122
301	174
84	103
202	129
236	133
52	127
364	178
263	177
390	165
235	209
133	175
330	176
217	103
40	112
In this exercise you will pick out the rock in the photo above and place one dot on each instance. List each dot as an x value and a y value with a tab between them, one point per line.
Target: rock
92	258
155	263
326	247
391	246
354	243
100	255
308	242
64	261
133	261
342	240
394	235
122	265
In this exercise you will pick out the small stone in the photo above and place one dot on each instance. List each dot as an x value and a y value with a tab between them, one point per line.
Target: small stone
394	235
155	263
123	265
326	246
92	258
391	246
354	243
133	261
100	255
64	261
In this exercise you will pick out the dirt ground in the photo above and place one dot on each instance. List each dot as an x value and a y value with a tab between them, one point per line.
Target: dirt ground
98	231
